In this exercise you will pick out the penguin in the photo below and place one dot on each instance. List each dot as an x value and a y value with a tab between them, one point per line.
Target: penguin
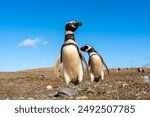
96	63
71	57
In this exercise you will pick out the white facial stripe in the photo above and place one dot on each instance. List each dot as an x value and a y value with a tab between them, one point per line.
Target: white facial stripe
71	22
72	25
89	47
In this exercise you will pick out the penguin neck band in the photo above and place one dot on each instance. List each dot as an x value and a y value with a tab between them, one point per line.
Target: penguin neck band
91	50
69	36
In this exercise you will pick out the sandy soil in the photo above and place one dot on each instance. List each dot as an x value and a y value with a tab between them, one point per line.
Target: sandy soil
32	84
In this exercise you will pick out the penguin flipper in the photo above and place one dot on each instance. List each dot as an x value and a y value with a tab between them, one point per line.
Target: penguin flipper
57	64
104	64
106	67
84	60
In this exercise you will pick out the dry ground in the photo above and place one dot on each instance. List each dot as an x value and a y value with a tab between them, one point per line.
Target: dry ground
32	84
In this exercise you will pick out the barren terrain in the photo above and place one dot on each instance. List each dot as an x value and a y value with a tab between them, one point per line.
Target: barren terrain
32	84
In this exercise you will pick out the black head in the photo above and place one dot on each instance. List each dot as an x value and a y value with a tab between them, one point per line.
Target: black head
87	48
72	25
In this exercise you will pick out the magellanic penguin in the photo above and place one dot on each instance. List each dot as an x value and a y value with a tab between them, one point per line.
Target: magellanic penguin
96	63
71	57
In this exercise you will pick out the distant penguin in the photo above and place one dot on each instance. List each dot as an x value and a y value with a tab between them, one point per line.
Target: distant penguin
71	56
96	63
140	69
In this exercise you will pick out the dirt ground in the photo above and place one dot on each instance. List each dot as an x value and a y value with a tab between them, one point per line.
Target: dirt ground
125	84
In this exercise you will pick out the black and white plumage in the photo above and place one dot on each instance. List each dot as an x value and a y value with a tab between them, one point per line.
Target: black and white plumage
96	63
71	56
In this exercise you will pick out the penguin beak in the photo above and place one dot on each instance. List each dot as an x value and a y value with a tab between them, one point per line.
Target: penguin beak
78	23
82	49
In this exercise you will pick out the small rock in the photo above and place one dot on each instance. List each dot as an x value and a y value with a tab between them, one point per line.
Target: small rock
79	89
82	98
89	89
30	98
8	98
138	94
125	84
66	92
40	76
49	87
145	79
112	91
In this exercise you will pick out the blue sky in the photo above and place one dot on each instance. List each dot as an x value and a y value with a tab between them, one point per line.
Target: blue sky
32	31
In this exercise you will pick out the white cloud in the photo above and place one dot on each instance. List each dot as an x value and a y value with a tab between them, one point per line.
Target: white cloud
31	42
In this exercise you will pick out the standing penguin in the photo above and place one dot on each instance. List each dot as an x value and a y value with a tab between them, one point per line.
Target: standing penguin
96	63
71	56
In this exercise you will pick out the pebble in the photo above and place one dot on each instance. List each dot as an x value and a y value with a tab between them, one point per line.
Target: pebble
138	94
146	79
21	98
30	98
40	76
49	87
125	84
82	98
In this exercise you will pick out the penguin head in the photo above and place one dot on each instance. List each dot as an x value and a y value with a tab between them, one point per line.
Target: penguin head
87	48
72	26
